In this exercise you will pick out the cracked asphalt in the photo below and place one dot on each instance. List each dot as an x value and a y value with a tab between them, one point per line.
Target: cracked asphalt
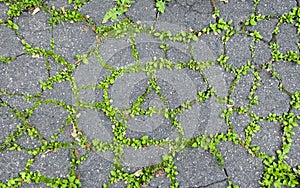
196	166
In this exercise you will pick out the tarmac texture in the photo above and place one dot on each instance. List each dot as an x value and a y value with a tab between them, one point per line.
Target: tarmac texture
163	93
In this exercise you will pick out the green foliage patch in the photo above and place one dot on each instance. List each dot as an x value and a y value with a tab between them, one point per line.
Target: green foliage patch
277	172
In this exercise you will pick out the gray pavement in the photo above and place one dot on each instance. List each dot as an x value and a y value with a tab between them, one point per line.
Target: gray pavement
150	93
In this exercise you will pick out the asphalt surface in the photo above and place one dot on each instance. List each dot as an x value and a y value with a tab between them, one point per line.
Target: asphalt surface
196	166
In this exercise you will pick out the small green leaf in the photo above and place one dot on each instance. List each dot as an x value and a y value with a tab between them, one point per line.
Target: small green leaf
195	38
195	145
165	157
72	178
252	22
15	26
85	60
160	5
113	173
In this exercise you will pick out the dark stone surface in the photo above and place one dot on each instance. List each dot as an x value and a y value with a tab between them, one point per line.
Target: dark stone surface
243	169
240	123
287	38
17	101
122	58
198	168
72	39
35	29
143	11
214	43
62	91
159	182
190	14
34	185
53	164
294	155
242	90
268	137
94	171
23	75
12	162
48	119
95	125
262	53
7	122
271	100
58	3
236	10
238	50
290	75
264	27
26	142
3	10
276	7
96	10
10	45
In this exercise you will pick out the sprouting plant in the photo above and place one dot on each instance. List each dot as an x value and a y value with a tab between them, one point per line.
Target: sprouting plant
161	5
120	8
295	102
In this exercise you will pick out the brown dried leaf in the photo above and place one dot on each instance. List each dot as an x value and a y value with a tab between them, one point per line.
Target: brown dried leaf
138	173
76	153
36	55
63	10
36	10
87	146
